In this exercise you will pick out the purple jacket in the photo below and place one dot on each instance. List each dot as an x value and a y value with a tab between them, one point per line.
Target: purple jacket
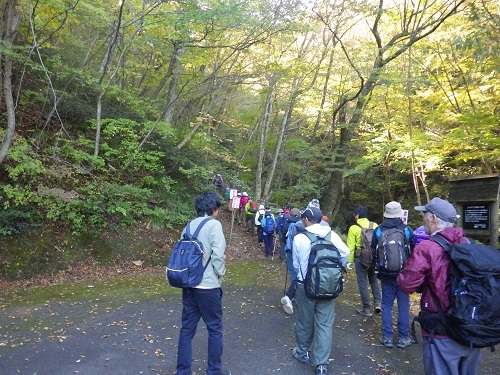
427	272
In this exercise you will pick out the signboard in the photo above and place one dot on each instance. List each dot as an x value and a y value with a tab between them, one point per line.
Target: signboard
233	193
476	216
235	202
405	217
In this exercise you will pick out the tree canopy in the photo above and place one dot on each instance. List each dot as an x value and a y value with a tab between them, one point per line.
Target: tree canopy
119	112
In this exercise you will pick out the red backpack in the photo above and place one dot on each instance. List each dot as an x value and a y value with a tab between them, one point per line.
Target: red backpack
253	207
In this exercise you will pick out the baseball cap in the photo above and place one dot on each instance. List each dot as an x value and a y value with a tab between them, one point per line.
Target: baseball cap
441	208
313	214
294	212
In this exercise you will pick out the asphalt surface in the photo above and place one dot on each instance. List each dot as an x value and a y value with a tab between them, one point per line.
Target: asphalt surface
140	337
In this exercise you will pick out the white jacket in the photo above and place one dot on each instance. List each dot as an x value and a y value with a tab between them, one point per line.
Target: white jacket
302	247
258	216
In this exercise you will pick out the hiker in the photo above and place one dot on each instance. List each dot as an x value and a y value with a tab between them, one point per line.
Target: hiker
313	203
241	210
283	215
205	300
419	235
291	227
268	224
427	271
324	221
359	238
387	260
258	223
315	317
218	182
250	211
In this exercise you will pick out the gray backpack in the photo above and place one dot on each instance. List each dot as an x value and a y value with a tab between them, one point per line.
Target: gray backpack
365	253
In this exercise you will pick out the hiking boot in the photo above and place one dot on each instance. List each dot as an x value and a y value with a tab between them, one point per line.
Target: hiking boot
386	341
364	312
304	358
378	309
287	305
321	370
403	343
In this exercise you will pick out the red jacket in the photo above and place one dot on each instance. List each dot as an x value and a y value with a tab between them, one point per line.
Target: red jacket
427	271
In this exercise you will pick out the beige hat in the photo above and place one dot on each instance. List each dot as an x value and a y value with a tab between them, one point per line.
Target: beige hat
393	210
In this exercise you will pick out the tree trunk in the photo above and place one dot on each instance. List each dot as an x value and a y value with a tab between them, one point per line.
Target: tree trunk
8	28
263	136
280	139
173	72
106	62
419	20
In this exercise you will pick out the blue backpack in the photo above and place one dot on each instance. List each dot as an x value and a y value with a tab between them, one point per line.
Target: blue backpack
185	268
289	236
269	224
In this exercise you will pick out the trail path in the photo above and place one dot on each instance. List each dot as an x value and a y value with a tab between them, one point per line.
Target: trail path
102	335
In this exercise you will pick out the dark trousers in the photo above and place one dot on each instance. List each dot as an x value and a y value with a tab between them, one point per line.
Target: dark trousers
268	244
260	233
196	304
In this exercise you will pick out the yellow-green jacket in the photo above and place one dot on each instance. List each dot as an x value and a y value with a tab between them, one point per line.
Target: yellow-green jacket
354	236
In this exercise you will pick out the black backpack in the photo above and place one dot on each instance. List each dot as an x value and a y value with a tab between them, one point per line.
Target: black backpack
324	278
393	250
185	268
473	318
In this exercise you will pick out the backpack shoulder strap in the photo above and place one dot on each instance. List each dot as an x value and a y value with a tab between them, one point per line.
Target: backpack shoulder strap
407	233
197	231
370	225
441	241
312	237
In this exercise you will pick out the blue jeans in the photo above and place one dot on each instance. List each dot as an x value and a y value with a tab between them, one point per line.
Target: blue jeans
363	276
282	248
293	275
268	244
196	304
390	292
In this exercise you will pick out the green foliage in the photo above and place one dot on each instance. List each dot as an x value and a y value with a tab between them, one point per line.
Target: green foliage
23	164
15	221
120	146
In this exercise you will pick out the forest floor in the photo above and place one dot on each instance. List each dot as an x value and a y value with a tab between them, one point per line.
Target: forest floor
127	322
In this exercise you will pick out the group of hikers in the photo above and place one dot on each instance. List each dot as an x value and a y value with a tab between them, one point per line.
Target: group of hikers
390	258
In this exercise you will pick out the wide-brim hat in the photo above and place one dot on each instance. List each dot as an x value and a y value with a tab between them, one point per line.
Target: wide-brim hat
393	210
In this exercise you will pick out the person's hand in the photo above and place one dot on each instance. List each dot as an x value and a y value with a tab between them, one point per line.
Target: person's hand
349	266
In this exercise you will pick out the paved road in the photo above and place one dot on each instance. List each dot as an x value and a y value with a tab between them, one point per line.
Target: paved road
100	336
